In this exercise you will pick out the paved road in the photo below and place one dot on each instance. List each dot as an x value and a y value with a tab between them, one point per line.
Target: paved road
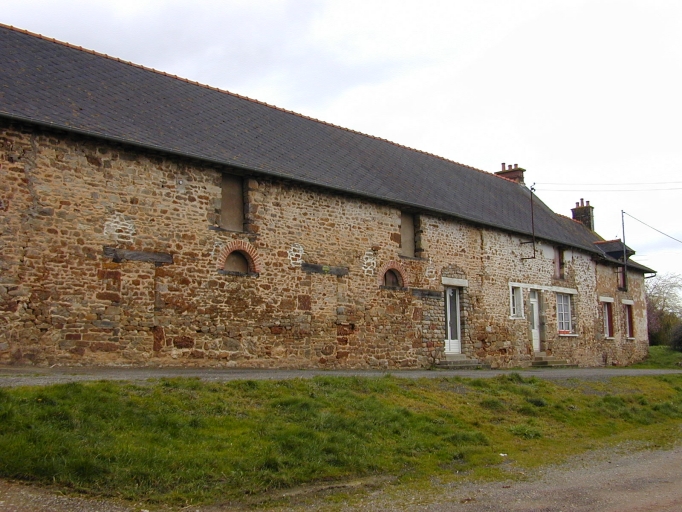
39	376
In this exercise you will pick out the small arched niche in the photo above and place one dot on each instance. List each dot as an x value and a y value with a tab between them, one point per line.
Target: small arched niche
238	262
393	279
239	258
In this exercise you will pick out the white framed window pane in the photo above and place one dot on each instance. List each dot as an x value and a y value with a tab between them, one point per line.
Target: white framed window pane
563	311
608	319
516	302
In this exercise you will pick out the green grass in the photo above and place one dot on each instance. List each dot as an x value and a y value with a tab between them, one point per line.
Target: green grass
179	441
662	357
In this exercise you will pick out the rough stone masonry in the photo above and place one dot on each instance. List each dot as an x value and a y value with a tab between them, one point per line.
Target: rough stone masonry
114	255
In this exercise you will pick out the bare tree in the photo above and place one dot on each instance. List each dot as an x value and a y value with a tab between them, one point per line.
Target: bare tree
664	301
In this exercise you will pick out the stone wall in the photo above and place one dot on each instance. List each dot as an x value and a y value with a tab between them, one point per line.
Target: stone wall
113	255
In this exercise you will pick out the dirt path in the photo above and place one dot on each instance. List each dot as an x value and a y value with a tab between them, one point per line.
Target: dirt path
636	482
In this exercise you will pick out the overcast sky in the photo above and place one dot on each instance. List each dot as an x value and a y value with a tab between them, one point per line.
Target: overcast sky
585	95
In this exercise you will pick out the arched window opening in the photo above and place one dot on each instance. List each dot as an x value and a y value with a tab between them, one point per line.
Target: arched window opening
236	262
392	279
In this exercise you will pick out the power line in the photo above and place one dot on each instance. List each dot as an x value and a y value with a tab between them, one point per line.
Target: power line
609	190
611	184
647	225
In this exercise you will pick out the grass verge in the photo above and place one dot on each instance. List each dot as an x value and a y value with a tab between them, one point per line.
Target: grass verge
184	441
661	357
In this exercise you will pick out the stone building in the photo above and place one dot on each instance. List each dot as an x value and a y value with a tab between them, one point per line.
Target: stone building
146	219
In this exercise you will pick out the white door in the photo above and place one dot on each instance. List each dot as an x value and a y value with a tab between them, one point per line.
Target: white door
453	343
535	320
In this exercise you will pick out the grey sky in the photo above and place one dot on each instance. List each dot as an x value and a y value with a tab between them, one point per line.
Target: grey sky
580	93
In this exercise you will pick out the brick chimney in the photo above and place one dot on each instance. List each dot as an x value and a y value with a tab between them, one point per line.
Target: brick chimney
512	173
584	213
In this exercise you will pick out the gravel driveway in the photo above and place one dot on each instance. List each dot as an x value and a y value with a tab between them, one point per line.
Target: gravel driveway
601	481
41	376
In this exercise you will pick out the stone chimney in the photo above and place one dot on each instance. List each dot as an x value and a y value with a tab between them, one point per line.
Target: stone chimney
584	213
512	173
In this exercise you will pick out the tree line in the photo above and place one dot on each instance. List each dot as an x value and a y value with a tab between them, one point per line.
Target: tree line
664	310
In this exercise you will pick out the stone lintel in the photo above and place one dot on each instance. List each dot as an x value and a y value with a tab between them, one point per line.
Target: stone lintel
119	255
451	281
312	268
421	292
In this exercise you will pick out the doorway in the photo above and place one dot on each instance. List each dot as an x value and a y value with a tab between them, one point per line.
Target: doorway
535	320
453	342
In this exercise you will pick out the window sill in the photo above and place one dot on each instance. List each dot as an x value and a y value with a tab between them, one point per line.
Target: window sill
240	274
413	258
512	317
628	338
568	335
225	230
218	228
609	338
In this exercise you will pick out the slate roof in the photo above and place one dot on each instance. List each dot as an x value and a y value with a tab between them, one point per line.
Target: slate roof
614	248
55	84
610	250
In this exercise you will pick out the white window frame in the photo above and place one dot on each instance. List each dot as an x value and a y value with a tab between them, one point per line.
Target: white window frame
607	309
564	313
629	313
516	302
